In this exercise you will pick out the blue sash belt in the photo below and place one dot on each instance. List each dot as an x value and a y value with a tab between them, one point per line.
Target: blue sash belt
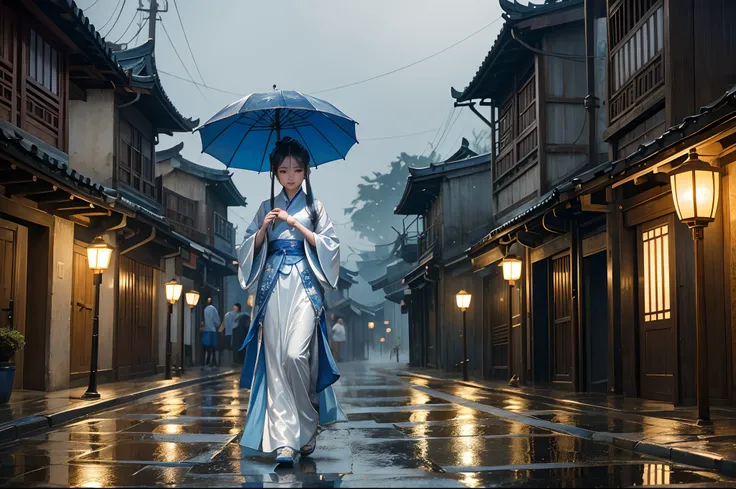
288	247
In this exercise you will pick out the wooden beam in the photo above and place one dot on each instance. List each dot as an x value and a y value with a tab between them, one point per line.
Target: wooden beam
587	205
55	198
24	189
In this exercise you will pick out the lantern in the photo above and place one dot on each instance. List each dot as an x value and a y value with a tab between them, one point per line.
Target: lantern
98	255
695	190
511	268
192	298
463	300
173	291
371	325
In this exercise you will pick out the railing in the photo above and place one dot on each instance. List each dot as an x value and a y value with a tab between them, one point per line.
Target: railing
224	228
428	239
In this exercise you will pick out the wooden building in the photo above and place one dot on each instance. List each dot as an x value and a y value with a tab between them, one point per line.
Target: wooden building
78	124
606	299
195	199
455	206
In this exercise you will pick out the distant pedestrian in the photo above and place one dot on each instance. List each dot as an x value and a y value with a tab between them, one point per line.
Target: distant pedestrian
338	338
209	334
229	324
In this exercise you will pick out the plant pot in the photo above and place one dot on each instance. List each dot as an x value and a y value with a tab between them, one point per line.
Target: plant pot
7	377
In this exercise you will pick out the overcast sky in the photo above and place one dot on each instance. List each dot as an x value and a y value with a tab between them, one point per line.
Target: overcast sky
247	46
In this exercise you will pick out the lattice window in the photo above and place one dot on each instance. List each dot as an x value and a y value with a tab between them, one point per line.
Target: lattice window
43	63
136	168
655	249
635	60
505	125
527	104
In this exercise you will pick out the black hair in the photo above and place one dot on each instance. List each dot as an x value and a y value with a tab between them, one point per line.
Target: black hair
291	147
237	304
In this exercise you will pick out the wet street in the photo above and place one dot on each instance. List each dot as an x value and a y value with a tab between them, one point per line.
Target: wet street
402	433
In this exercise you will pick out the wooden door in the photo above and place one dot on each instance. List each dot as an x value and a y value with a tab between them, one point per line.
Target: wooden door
83	296
13	255
561	319
657	336
595	291
432	344
135	325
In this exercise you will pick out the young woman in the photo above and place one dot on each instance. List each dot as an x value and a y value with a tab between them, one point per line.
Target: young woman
292	250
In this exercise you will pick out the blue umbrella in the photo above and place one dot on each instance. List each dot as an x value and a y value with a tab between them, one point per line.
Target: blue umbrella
243	134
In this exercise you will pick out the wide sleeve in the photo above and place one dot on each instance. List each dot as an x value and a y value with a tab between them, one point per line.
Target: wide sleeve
250	265
324	257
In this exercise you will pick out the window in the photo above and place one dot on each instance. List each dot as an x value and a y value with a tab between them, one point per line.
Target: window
136	168
181	211
655	249
43	63
223	228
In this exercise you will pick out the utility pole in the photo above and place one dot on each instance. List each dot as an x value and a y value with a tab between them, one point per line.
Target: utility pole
153	10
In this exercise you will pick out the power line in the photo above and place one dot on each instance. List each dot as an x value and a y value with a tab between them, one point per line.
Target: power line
141	25
444	124
414	63
176	7
93	4
399	136
127	28
349	84
181	60
113	15
447	131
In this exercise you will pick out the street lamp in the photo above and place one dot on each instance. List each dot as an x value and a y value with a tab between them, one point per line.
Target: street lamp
98	259
173	293
463	302
388	330
511	269
371	325
382	341
192	298
511	266
695	191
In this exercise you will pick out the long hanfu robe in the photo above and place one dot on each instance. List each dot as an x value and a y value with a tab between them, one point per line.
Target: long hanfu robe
288	366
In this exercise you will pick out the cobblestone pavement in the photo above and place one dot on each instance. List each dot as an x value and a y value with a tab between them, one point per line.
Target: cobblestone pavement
401	433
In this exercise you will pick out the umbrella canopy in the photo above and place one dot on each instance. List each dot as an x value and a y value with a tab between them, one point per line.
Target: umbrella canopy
243	134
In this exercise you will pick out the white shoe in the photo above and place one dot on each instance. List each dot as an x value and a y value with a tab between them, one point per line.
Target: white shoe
285	455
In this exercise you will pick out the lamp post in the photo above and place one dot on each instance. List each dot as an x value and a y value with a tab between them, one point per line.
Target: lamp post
511	266
695	191
98	259
173	293
382	341
463	302
371	325
192	298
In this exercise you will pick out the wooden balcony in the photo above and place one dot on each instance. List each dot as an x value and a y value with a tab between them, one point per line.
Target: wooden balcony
224	234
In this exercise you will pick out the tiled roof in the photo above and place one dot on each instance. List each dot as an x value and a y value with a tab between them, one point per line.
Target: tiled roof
222	177
423	184
514	12
51	161
140	62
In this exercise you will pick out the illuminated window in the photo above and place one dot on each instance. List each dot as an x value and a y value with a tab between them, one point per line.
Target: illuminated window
655	248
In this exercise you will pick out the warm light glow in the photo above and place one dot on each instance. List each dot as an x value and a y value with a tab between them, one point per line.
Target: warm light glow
192	298
511	268
696	191
173	291
371	325
98	255
463	300
250	300
387	322
388	330
383	340
655	254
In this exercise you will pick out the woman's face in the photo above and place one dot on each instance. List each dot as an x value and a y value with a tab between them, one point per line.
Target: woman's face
291	174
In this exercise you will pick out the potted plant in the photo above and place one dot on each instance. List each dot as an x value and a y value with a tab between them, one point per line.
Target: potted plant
11	341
